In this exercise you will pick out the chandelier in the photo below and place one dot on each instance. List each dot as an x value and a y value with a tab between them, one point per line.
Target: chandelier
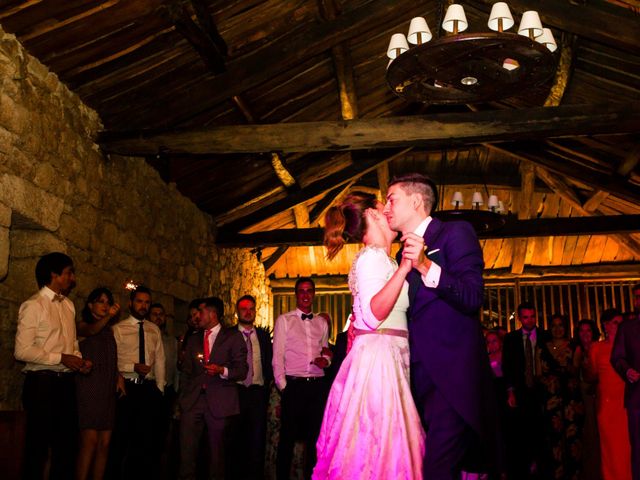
460	68
482	220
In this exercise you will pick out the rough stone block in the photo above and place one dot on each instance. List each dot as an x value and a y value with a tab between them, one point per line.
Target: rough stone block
74	232
4	251
5	216
30	202
192	276
35	243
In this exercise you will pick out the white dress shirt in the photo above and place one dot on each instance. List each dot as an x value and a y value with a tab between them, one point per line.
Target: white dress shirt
46	330
258	378
430	279
296	343
212	339
126	333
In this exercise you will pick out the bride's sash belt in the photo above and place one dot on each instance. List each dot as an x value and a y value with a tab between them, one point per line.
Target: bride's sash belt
382	331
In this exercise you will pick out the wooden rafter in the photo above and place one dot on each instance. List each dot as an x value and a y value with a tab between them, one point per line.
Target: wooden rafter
613	183
569	195
327	201
624	169
211	49
434	131
513	228
528	179
354	171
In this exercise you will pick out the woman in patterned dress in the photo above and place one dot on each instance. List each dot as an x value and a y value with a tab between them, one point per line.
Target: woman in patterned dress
96	392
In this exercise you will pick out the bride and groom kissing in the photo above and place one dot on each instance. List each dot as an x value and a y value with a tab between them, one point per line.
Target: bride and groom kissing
418	361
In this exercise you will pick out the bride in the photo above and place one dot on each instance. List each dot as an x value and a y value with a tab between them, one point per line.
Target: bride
371	428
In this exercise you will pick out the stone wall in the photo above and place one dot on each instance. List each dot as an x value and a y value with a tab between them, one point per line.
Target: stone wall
113	215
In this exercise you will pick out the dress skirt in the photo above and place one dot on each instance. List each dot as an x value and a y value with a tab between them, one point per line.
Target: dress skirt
371	428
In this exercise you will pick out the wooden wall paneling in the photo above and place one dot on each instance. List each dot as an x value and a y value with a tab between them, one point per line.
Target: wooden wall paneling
500	317
581	248
569	250
596	296
595	249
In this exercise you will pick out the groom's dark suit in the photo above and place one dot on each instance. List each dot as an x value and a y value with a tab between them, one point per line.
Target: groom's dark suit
450	371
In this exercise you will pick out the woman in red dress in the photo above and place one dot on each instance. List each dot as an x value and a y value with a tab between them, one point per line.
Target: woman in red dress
612	417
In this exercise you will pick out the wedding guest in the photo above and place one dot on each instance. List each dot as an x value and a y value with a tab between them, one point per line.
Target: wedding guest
563	411
587	334
215	359
96	392
137	436
625	358
46	341
524	435
253	394
300	355
615	449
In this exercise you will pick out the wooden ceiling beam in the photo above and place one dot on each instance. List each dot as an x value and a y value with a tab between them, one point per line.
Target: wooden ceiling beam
329	199
568	194
613	183
212	51
579	273
597	21
433	131
528	179
349	174
343	66
270	262
624	169
513	228
266	63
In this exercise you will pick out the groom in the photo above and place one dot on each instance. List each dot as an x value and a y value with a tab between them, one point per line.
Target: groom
450	372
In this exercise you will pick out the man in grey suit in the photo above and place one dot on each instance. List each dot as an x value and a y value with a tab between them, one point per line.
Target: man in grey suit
215	359
625	358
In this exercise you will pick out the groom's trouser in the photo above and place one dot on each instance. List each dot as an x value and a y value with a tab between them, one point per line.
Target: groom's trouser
448	436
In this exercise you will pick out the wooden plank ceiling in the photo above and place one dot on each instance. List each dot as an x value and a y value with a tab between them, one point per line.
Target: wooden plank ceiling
219	96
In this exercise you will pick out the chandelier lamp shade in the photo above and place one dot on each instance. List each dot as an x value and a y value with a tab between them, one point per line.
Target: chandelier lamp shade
482	219
461	67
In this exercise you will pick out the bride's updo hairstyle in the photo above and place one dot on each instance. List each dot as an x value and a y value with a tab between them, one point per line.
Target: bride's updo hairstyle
346	221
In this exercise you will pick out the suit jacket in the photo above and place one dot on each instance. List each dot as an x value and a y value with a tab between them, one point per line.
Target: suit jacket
266	355
444	330
625	355
229	350
513	362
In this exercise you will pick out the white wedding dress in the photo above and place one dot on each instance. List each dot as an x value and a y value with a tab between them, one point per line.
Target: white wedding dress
371	428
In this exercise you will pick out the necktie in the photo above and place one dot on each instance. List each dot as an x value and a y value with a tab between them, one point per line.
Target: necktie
307	317
141	343
207	349
57	298
249	380
528	361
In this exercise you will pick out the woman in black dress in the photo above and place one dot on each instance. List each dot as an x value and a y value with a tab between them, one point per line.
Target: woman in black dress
96	392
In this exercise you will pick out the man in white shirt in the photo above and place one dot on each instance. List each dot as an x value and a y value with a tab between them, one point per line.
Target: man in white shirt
141	361
46	341
300	355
